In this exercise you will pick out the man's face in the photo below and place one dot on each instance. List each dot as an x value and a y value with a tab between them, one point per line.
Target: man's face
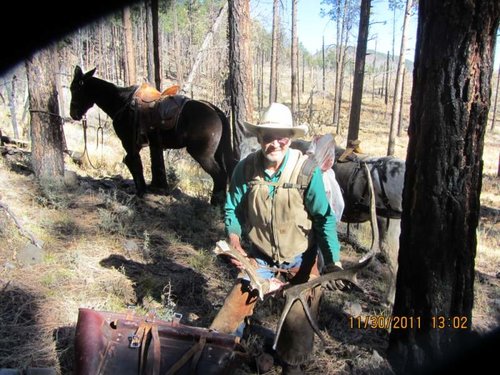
274	145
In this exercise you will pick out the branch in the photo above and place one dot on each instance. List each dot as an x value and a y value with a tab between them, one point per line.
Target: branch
23	231
208	39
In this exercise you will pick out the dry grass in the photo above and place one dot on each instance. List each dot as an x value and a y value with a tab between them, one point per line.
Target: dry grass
105	249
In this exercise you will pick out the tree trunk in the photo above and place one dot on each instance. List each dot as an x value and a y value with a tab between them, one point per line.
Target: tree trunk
341	77
177	42
394	30
130	74
59	91
273	89
401	103
450	102
303	71
115	65
240	70
359	71
386	92
374	69
294	59
340	49
495	104
323	65
46	126
11	94
396	108
149	42
156	44
261	96
59	88
158	173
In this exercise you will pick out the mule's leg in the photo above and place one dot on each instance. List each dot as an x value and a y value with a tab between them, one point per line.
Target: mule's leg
217	173
159	178
134	164
389	245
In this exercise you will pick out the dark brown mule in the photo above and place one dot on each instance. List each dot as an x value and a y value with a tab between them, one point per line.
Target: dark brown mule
201	128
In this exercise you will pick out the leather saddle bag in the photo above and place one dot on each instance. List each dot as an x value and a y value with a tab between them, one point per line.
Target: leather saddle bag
125	344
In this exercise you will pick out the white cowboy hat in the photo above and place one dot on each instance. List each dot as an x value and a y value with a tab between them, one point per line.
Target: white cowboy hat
277	117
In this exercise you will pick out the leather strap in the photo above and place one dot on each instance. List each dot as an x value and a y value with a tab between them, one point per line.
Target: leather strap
197	355
147	334
195	352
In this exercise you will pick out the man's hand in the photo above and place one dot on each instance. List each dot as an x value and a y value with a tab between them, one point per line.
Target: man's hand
334	284
234	241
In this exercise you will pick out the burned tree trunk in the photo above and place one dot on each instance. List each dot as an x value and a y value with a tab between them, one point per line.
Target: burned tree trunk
359	71
46	127
240	69
450	102
156	44
273	86
150	58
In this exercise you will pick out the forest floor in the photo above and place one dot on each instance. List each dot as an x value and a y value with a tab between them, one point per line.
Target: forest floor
105	249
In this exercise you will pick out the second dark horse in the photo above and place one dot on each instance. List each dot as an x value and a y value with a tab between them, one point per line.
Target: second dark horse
200	127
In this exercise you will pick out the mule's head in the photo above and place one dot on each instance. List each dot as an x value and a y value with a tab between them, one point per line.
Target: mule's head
81	100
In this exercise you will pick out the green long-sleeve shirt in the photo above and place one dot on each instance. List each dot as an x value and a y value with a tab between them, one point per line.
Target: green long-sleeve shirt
315	201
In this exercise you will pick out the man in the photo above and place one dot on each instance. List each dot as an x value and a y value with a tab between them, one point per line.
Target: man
277	201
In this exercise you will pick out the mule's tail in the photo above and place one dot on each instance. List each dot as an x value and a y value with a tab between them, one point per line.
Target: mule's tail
224	151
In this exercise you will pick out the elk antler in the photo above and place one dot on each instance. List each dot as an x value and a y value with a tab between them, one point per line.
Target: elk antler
375	247
256	282
298	292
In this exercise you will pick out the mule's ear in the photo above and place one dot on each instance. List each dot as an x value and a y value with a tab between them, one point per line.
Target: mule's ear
78	72
90	74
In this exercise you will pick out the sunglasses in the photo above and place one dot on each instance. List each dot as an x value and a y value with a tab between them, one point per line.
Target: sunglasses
268	138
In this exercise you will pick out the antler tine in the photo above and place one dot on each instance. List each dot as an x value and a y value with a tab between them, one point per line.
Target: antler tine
257	282
311	319
291	297
297	292
286	309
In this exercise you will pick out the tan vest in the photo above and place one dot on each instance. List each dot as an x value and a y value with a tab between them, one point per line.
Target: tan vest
279	225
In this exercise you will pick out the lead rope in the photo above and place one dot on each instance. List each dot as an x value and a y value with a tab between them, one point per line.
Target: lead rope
100	132
85	152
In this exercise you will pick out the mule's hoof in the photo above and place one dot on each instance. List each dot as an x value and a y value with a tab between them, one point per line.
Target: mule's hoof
158	190
159	185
